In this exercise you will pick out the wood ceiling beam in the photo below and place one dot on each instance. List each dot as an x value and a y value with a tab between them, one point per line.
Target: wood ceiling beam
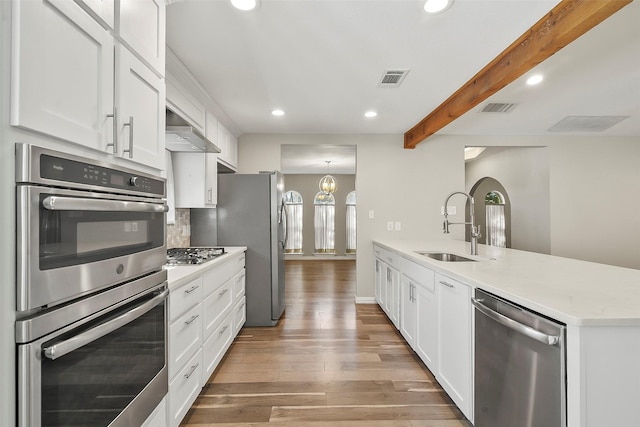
567	21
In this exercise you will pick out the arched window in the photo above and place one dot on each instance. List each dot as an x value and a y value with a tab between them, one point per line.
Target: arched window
293	208
351	223
496	224
324	222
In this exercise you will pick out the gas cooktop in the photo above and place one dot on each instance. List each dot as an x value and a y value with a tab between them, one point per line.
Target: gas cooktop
196	255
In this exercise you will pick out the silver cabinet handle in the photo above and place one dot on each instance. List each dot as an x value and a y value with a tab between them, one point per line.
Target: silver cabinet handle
67	346
516	326
192	370
60	203
223	329
193	288
114	144
130	150
210	195
448	285
190	321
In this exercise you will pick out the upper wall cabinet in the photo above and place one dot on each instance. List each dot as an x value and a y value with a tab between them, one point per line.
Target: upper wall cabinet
184	103
63	83
102	9
141	26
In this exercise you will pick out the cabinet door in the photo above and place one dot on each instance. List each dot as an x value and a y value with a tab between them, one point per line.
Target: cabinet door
454	343
379	278
408	309
141	26
62	73
184	389
426	343
211	129
102	9
185	104
393	296
140	98
196	180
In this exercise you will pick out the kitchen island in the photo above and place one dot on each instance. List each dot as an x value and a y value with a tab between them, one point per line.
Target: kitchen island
599	304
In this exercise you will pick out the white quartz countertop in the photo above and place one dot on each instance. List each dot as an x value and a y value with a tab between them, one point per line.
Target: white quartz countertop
179	274
571	291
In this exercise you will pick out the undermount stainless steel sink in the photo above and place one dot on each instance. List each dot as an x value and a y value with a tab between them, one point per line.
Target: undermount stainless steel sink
446	257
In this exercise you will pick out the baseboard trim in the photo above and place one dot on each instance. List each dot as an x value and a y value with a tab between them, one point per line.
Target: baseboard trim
365	300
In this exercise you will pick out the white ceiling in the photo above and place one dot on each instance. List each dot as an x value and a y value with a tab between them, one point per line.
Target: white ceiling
321	62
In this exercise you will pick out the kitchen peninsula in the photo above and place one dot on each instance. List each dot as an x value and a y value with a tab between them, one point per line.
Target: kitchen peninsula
599	304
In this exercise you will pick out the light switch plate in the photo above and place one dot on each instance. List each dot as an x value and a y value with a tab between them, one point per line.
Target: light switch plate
371	214
389	225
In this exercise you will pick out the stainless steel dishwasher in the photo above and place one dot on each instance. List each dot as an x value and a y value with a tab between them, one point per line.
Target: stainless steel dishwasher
520	366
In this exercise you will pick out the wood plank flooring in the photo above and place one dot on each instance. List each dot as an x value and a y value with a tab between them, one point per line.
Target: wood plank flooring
328	363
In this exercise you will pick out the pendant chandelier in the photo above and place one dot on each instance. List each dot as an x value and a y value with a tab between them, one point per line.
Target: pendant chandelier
328	183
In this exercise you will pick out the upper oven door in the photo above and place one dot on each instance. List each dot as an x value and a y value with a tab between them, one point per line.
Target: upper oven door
71	243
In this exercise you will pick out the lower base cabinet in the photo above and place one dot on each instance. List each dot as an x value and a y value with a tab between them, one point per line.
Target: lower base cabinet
435	318
184	387
205	315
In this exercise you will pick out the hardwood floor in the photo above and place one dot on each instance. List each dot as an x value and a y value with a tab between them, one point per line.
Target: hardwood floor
328	363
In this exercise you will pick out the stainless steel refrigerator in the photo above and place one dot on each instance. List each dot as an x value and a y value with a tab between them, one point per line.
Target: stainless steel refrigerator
250	212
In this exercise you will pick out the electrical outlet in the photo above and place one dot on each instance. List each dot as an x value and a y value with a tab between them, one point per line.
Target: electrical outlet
371	214
398	226
389	225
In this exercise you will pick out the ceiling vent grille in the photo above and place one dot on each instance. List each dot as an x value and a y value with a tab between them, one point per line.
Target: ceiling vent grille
586	123
498	107
393	78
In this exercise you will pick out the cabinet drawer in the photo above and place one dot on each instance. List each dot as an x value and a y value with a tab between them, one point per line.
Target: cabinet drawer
239	315
215	307
184	389
239	285
185	337
420	275
184	297
217	276
215	347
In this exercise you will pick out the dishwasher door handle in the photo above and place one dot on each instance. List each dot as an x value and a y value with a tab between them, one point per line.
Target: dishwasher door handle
516	326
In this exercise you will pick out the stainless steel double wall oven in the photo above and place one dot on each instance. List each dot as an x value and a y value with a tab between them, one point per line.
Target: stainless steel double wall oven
91	291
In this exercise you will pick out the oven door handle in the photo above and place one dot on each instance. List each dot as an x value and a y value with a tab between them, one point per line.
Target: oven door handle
59	203
67	346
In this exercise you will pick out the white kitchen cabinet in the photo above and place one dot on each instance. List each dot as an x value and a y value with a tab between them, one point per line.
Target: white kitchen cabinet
393	295
184	388
204	318
141	26
408	309
228	147
182	101
103	10
455	341
195	180
62	73
140	97
379	281
73	80
211	130
426	342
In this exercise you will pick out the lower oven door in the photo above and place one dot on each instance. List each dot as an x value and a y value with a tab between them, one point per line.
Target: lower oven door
109	370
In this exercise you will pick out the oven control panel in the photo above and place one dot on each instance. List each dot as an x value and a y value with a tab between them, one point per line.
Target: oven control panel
72	171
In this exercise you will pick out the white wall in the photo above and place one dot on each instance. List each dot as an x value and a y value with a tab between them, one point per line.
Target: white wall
524	173
594	186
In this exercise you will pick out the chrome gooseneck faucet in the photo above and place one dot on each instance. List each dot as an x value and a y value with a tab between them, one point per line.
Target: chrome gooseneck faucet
475	229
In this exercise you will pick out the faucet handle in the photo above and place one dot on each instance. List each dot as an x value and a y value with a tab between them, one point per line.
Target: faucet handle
445	226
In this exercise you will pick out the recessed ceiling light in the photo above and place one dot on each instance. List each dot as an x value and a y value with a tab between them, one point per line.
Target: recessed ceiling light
535	79
277	112
245	4
370	114
437	6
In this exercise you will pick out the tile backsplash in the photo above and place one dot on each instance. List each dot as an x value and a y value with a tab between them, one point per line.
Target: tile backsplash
178	234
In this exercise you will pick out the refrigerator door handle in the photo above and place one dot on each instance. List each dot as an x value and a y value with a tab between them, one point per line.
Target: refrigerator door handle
283	213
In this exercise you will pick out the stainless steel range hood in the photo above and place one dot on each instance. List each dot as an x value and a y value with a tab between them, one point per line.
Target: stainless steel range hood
182	136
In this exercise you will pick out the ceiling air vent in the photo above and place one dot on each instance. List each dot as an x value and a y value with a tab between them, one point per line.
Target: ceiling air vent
586	123
498	107
393	78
